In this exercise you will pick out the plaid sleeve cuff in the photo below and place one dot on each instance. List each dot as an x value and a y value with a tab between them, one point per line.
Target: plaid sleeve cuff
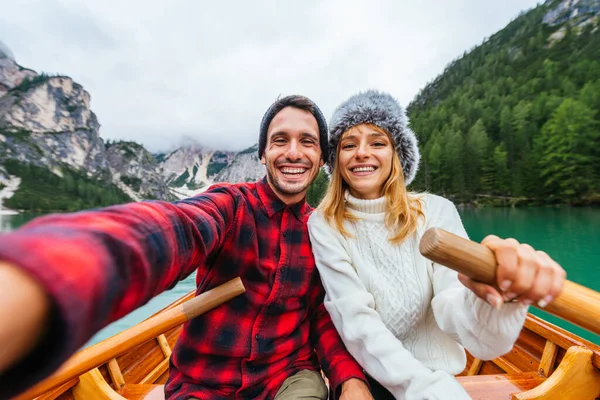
343	371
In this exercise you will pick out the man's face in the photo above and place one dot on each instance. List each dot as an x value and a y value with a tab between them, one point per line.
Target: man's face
292	154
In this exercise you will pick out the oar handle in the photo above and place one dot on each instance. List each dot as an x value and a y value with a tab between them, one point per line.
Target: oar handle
576	303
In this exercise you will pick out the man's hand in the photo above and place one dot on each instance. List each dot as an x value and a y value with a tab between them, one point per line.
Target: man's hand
523	274
24	309
355	389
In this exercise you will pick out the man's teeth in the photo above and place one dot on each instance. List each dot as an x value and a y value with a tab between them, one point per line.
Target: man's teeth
363	169
293	170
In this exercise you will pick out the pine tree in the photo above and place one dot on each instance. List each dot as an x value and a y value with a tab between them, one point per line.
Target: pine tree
567	147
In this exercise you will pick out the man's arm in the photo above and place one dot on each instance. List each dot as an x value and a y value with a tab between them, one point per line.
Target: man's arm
95	267
346	377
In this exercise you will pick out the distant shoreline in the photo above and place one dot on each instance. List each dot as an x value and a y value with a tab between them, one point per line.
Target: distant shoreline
8	212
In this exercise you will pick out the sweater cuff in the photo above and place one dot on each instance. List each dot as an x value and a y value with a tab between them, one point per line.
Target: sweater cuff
505	321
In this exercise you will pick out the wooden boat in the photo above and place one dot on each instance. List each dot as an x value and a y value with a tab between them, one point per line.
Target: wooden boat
547	362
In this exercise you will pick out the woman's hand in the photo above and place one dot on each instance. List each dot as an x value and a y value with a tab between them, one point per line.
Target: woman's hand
524	274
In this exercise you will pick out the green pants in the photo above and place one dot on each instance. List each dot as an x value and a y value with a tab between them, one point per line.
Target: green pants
305	384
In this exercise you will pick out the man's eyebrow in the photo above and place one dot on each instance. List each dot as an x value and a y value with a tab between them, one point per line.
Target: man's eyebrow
277	134
310	135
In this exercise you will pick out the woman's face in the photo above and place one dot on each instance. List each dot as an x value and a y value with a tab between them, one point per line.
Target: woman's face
365	161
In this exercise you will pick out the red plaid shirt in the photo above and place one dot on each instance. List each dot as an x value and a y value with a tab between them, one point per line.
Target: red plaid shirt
99	265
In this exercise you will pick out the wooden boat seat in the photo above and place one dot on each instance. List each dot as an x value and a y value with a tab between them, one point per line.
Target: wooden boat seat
499	386
143	392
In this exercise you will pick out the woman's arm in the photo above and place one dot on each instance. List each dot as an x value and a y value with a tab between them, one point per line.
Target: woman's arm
485	331
366	337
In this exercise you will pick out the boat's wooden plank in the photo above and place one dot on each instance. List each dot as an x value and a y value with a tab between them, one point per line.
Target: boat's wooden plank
133	356
105	374
489	368
145	392
142	360
574	379
115	374
531	343
92	386
163	378
561	337
68	395
164	345
156	372
143	366
506	366
494	387
522	360
56	392
548	359
475	367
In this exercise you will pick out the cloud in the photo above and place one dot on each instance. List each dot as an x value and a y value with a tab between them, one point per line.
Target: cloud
160	71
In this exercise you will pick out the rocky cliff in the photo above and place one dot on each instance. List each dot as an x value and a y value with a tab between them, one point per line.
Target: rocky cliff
573	14
47	121
577	12
245	167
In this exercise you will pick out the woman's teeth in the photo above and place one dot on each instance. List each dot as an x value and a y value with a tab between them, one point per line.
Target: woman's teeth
363	169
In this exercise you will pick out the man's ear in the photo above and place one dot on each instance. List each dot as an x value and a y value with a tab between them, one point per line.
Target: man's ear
321	163
263	160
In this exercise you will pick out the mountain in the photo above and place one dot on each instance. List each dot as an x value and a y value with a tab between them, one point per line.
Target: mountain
50	138
516	120
135	171
191	169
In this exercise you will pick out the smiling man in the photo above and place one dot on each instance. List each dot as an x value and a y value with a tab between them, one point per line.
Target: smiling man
290	147
269	343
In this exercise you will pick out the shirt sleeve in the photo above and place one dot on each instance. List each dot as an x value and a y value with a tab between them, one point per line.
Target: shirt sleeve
483	330
366	337
97	266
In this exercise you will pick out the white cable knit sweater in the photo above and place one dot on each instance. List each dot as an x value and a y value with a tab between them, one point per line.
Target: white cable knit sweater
404	318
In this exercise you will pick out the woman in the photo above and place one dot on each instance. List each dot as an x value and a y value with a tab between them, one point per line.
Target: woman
405	319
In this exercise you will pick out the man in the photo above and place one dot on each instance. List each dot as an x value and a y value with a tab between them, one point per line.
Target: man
63	277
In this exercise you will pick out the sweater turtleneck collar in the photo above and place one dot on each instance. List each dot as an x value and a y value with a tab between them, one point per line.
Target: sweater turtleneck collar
367	206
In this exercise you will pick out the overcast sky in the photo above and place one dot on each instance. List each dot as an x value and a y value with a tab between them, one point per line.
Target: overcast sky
160	71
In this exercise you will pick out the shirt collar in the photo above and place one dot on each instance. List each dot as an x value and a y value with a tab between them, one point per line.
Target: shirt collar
273	204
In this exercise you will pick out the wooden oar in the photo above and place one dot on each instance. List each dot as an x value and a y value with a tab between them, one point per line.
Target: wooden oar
143	332
576	303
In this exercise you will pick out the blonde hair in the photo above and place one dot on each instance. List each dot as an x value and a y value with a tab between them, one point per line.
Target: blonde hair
402	210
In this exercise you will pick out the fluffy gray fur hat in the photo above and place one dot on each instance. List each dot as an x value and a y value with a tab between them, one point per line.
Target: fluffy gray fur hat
381	109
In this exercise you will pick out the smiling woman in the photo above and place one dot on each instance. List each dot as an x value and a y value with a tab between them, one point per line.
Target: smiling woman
365	160
405	319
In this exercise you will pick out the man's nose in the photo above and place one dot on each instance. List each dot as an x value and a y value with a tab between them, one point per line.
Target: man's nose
293	151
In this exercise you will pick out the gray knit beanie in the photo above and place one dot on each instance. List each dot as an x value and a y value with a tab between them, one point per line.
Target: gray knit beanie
381	109
290	101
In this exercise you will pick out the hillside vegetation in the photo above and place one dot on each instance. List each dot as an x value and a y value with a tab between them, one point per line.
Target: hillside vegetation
517	119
